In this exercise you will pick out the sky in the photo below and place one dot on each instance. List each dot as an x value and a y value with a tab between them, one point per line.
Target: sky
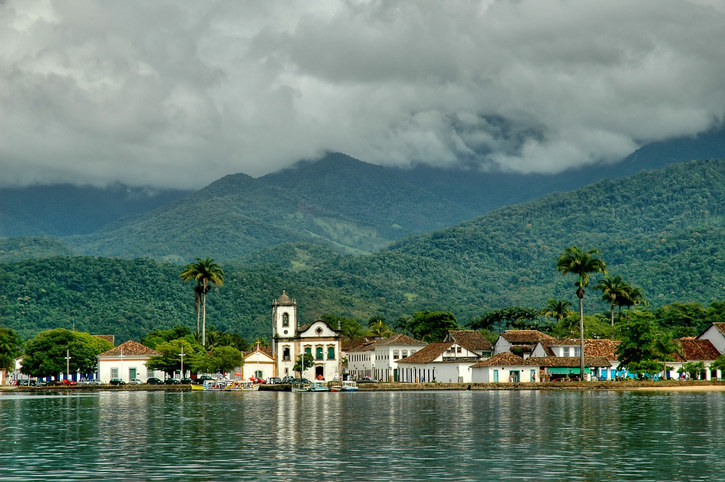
180	93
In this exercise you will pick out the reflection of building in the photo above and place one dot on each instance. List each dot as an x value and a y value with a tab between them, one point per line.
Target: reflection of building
290	341
126	361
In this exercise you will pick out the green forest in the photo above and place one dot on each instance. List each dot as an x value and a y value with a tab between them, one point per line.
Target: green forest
662	231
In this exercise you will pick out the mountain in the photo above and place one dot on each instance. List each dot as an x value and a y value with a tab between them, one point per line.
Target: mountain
63	209
662	230
337	201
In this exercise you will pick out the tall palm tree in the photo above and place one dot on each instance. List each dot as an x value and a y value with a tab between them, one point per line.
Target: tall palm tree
581	263
203	271
557	309
613	289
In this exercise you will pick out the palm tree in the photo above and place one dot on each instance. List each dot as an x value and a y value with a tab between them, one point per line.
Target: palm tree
632	296
557	309
203	271
582	264
613	292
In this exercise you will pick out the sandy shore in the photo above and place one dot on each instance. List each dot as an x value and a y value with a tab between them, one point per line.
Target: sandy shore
685	388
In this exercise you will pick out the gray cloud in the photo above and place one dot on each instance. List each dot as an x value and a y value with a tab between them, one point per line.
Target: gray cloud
180	93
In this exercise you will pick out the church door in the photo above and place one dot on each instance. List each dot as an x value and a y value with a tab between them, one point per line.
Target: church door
319	372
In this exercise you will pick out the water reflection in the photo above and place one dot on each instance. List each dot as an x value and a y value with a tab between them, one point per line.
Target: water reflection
371	436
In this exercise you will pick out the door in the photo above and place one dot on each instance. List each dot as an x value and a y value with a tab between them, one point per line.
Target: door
131	373
319	373
495	376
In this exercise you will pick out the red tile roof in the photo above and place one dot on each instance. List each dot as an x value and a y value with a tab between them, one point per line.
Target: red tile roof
428	353
601	347
697	350
470	339
503	359
267	350
110	338
569	361
130	348
399	339
525	336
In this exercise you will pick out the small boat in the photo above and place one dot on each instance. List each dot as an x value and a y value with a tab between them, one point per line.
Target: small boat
348	386
318	387
300	387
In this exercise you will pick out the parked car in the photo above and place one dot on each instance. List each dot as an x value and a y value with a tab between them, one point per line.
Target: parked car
155	381
89	382
117	381
274	380
185	381
172	381
69	382
200	380
288	379
135	381
366	380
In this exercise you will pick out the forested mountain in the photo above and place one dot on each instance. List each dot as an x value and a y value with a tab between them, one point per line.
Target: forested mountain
340	202
63	209
662	230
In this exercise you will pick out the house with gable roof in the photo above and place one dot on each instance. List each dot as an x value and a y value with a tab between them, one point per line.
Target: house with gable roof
258	363
441	362
360	356
472	340
290	341
127	361
389	351
505	368
570	348
716	335
695	350
522	341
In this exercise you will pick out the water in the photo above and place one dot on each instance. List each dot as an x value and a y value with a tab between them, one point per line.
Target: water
477	435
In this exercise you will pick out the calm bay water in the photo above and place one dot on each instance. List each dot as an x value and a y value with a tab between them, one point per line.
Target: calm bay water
473	435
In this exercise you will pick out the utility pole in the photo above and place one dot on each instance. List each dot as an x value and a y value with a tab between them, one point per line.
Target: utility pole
182	361
67	364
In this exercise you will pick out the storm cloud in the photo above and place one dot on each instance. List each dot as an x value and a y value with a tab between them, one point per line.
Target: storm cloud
180	93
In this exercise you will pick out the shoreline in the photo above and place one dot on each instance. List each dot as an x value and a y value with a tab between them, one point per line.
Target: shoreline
623	385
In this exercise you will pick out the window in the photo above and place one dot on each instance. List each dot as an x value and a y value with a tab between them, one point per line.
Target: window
458	349
318	353
396	354
405	353
330	352
577	351
285	354
258	374
285	319
114	372
308	350
565	351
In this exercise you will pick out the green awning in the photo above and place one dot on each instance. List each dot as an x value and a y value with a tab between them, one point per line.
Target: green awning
567	371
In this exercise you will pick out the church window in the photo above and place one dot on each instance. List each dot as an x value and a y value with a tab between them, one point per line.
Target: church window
285	319
318	330
308	350
285	354
318	353
330	352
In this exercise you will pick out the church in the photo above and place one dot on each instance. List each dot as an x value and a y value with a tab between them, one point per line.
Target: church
290	341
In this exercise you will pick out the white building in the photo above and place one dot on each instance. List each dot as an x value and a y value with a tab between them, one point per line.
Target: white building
519	342
716	334
360	357
290	341
127	361
446	362
389	351
258	363
505	368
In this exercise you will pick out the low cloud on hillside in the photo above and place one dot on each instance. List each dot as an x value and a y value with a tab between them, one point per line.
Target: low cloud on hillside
179	93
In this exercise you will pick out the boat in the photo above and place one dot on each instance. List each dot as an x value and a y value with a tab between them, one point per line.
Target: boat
241	385
318	386
348	386
195	387
301	387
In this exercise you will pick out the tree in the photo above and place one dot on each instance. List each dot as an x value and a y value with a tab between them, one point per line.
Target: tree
614	290
582	264
557	309
378	328
226	358
639	337
169	361
696	370
431	325
10	348
666	348
203	271
719	364
45	355
303	362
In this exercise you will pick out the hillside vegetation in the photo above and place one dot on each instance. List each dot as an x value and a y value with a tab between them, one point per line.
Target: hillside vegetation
662	230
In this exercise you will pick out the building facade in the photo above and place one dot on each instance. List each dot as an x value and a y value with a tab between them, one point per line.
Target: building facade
290	342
